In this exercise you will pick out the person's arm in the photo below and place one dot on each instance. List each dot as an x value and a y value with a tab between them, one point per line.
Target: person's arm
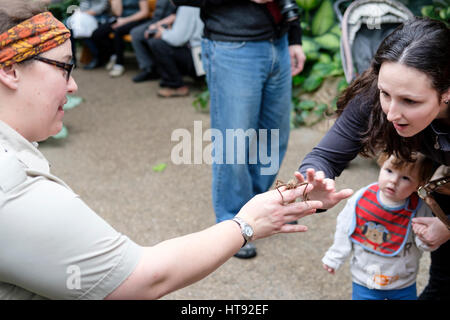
169	20
342	245
338	147
423	211
183	27
298	58
296	53
141	14
116	7
176	263
431	230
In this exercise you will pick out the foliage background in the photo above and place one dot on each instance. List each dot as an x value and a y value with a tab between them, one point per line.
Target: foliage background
321	44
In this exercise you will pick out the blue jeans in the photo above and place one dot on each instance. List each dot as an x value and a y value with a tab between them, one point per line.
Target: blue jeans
364	293
250	89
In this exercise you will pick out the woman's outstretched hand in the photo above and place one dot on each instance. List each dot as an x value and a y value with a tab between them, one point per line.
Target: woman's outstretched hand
268	214
324	188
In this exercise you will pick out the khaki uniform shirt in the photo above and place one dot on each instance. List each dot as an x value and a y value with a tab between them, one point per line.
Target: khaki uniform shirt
52	245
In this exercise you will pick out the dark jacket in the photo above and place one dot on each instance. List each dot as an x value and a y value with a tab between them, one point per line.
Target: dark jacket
241	20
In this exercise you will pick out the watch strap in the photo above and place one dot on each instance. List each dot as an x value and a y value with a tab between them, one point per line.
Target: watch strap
239	222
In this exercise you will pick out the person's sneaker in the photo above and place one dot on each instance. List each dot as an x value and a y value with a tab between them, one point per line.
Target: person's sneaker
246	252
173	92
145	75
111	62
117	70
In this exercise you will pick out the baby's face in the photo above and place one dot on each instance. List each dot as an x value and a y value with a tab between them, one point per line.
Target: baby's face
397	184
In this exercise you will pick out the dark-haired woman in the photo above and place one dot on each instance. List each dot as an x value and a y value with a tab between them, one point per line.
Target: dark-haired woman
399	105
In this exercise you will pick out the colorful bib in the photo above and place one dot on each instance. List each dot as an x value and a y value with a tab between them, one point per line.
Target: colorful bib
382	230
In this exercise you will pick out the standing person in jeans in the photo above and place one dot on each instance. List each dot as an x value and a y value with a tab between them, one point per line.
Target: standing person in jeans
163	9
129	13
250	52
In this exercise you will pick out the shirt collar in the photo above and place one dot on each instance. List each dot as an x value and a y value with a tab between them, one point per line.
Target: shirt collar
27	152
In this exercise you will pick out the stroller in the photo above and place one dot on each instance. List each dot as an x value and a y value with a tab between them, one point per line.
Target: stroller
364	25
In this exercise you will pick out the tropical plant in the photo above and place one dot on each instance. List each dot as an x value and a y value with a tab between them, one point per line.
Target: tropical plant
321	44
438	10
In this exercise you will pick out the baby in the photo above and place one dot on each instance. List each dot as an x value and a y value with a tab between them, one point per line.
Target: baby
375	226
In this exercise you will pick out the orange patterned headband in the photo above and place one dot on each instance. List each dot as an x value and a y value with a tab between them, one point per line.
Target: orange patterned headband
31	37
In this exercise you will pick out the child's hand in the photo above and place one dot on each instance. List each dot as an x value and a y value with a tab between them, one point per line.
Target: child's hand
324	188
329	269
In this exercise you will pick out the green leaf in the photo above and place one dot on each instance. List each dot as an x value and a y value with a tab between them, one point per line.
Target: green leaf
159	167
304	114
201	101
324	58
336	30
321	108
299	119
308	4
307	105
298	80
428	11
337	58
323	19
322	69
328	41
342	85
309	45
337	70
312	83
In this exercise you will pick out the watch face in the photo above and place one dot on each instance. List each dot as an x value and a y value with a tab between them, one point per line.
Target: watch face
248	231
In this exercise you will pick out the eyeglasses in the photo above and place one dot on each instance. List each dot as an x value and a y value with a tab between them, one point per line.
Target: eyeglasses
68	67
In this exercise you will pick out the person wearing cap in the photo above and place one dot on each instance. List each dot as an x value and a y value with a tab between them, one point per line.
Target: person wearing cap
53	245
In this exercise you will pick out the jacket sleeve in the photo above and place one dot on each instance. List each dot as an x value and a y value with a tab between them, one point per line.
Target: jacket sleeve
295	33
341	144
183	27
342	245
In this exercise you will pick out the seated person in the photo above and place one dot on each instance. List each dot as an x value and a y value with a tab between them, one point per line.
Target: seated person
129	13
96	8
170	50
163	9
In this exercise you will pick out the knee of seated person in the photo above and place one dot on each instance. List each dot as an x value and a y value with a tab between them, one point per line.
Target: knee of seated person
136	33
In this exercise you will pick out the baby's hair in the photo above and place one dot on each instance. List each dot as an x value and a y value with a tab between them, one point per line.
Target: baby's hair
425	164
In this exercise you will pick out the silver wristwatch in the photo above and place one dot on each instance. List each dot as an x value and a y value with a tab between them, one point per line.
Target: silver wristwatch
246	229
